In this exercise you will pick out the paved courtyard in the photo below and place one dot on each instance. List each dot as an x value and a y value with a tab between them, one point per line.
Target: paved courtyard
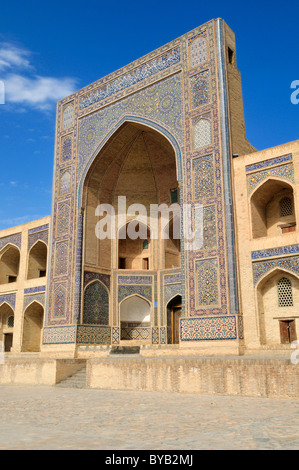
61	418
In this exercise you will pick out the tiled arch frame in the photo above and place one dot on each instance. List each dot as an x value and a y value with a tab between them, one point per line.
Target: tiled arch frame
140	120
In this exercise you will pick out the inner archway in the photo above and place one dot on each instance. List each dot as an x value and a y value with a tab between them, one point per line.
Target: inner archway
174	311
32	327
137	165
6	326
278	300
135	318
9	264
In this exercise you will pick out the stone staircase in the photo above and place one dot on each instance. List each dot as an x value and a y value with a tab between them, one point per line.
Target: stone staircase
76	380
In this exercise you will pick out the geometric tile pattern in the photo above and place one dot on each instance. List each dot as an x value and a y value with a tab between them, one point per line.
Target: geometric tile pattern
170	291
155	335
260	268
96	304
87	334
63	219
271	252
163	335
104	278
61	258
115	335
284	171
65	182
68	116
135	333
35	290
59	301
13	239
161	103
207	282
28	299
203	177
207	328
209	228
38	236
140	73
10	299
126	291
198	52
38	229
66	151
270	162
202	134
59	335
200	89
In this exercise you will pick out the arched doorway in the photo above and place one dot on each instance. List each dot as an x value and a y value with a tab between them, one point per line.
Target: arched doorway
9	264
278	301
174	311
32	327
135	318
7	327
37	264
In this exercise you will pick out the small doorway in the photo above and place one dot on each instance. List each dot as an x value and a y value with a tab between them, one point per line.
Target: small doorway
287	331
8	338
174	311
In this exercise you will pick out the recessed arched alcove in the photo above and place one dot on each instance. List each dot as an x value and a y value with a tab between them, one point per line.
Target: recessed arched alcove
32	327
278	301
6	326
37	261
135	318
272	209
9	264
136	167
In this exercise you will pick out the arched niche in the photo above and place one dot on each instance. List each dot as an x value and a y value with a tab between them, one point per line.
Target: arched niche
174	311
9	264
270	214
277	301
96	304
37	261
135	318
33	327
137	163
6	326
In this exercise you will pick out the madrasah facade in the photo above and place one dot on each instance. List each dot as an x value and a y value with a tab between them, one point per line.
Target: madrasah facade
166	129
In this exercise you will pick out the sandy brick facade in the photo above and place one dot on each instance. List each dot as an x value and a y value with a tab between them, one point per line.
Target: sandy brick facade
168	128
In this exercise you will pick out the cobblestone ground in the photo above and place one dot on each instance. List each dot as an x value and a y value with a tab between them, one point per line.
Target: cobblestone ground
49	418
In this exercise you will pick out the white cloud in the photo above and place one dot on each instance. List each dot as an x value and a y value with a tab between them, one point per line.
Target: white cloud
12	56
37	91
26	88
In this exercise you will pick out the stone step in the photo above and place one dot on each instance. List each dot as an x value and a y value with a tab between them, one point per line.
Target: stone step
77	380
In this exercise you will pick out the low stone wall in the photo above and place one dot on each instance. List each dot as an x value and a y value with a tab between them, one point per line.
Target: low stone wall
205	376
37	371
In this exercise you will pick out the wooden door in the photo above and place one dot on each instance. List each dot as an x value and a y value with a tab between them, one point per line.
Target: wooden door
287	331
176	315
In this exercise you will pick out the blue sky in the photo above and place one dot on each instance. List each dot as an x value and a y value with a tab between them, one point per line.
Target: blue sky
48	50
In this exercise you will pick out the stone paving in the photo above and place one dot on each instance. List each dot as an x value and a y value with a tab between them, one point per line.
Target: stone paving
52	418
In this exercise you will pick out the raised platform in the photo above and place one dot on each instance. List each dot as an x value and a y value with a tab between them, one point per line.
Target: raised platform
251	376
